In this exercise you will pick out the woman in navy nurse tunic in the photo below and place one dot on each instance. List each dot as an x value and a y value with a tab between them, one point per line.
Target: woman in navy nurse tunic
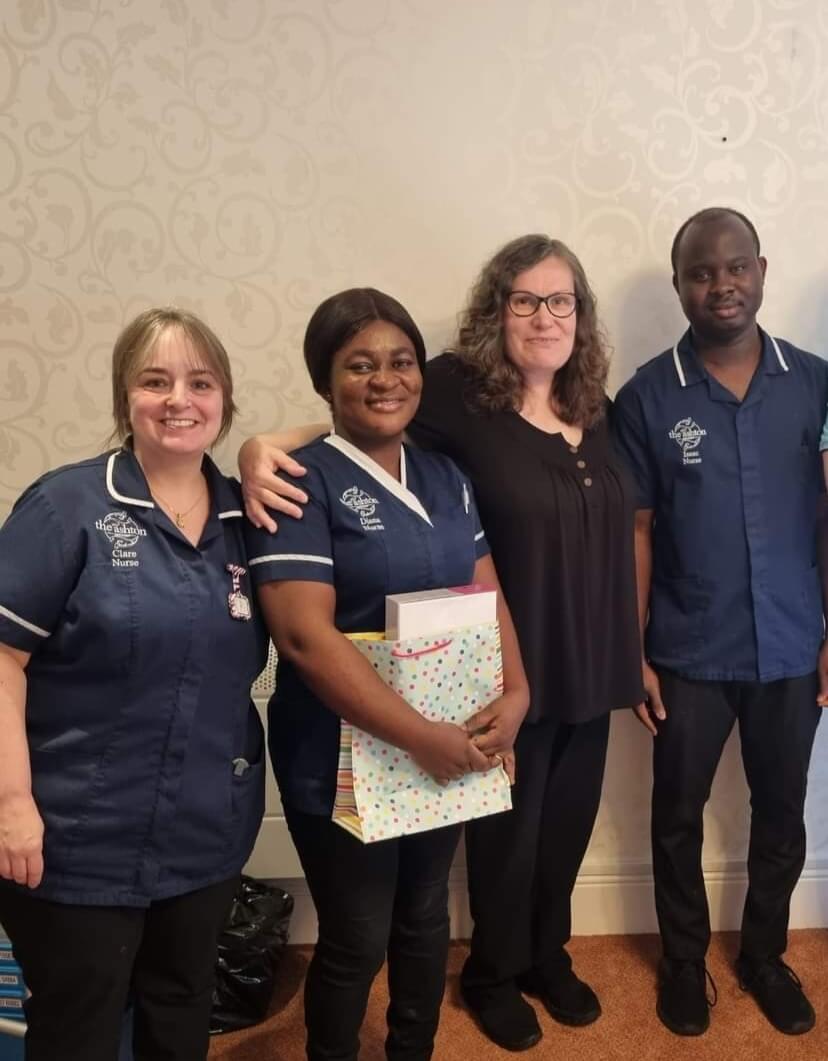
131	764
519	403
382	518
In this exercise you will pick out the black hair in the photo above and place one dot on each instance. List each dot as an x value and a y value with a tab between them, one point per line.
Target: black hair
712	213
342	316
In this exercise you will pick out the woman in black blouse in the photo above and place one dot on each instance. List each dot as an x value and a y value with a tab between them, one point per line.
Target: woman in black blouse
519	403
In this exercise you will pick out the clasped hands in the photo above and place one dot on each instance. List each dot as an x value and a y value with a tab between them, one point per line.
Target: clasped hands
484	742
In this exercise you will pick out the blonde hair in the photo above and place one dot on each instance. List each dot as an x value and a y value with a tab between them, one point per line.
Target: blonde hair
135	344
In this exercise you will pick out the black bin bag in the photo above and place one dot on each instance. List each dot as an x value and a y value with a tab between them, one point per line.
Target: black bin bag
250	948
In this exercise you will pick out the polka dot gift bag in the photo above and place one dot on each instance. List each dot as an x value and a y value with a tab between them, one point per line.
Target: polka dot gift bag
381	792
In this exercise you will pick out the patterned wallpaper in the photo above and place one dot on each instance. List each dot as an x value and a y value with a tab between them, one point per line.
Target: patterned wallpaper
245	158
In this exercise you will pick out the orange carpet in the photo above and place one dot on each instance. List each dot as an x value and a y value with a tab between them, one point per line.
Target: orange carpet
622	971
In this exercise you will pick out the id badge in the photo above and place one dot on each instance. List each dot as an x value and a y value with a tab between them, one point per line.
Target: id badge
239	606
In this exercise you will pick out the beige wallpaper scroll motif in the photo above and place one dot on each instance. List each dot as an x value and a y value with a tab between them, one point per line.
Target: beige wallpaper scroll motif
247	157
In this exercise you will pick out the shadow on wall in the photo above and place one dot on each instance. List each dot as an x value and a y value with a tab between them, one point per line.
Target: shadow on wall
644	318
438	334
618	862
808	328
816	815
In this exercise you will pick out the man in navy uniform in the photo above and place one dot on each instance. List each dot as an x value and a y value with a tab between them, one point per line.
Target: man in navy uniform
722	435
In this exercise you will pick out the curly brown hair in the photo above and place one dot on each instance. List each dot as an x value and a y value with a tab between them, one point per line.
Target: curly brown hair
495	384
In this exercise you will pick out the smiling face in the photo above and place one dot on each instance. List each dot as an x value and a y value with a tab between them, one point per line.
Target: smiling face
719	278
541	344
175	401
374	386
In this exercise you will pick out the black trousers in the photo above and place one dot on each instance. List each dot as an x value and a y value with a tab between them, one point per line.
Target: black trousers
386	900
777	724
522	864
81	963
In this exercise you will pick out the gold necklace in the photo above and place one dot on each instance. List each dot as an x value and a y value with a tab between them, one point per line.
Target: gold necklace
178	517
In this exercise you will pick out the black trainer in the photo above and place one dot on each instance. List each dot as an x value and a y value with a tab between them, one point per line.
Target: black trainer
504	1015
567	999
683	1005
777	989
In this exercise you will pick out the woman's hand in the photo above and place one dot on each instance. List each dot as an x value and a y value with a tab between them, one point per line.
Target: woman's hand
261	486
494	729
506	761
445	752
21	840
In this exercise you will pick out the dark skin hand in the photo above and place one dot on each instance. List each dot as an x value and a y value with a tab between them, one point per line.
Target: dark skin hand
300	619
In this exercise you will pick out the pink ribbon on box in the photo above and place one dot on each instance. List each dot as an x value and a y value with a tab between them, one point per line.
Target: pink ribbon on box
423	651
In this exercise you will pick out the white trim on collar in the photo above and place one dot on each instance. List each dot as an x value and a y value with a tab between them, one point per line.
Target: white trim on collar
680	369
778	353
231	513
388	482
9	614
679	366
110	485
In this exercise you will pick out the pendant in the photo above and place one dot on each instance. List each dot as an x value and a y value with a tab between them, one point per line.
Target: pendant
179	520
238	603
239	606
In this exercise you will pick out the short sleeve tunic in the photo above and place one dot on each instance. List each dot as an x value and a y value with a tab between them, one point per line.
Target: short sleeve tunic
146	749
734	486
559	520
367	535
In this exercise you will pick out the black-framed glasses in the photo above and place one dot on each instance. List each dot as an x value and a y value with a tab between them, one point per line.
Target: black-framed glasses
526	304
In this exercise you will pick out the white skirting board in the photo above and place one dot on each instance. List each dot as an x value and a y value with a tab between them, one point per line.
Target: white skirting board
617	900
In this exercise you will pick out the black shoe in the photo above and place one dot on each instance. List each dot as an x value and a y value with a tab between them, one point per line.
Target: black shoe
567	999
777	989
504	1015
683	1005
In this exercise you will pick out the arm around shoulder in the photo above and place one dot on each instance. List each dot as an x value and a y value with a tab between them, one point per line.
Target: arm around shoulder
260	458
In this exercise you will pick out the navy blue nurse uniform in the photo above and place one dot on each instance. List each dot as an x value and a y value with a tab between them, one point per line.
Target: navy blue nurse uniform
146	750
735	617
734	489
368	535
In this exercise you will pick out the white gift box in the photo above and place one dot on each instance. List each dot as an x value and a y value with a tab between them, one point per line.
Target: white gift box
437	611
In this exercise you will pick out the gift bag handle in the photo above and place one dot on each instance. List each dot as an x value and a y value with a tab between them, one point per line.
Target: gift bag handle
423	651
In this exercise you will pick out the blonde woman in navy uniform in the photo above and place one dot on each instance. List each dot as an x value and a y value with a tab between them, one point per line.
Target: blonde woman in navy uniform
131	765
382	518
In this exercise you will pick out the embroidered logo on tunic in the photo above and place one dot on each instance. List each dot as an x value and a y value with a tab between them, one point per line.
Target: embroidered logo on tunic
688	435
365	506
122	533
